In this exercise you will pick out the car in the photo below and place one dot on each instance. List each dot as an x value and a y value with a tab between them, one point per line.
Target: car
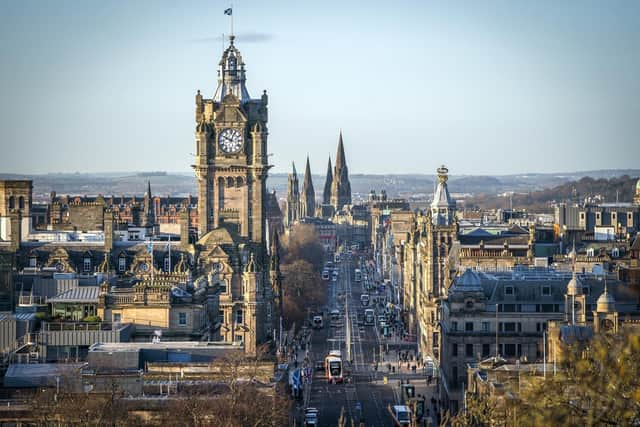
311	417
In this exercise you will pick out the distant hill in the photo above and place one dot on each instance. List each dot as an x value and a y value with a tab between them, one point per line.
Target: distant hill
484	188
617	189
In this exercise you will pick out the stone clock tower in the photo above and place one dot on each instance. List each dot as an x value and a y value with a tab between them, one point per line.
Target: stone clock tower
231	153
231	170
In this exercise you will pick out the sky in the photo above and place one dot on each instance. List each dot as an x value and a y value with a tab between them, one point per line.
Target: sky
484	86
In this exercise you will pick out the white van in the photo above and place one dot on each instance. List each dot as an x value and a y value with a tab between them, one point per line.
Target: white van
364	299
402	415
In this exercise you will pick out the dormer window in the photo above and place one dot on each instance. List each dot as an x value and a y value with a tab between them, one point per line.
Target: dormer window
508	290
33	262
122	264
469	304
590	252
167	264
87	265
546	290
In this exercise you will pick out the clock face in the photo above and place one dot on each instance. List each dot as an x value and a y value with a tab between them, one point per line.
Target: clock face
230	140
144	266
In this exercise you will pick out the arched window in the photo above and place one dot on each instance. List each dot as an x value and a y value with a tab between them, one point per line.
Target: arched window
12	203
21	202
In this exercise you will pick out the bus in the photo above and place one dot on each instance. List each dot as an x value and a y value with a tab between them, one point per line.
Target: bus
333	367
369	316
358	275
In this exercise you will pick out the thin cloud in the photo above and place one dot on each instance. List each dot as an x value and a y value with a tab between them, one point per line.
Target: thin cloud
249	37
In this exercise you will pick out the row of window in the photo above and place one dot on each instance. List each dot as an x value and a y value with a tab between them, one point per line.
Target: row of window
511	291
502	327
506	350
12	202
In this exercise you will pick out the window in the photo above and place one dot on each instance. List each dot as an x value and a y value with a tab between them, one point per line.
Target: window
182	318
21	202
510	308
510	350
167	264
454	350
87	264
12	203
508	290
509	326
239	317
468	326
223	286
33	261
117	317
122	264
546	290
469	350
485	326
454	326
454	376
486	350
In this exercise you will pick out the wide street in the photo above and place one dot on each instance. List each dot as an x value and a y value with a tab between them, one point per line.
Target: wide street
367	393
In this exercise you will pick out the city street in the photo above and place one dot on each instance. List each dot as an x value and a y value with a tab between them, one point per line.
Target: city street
366	393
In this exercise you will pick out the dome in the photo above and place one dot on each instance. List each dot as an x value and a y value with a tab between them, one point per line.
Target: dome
606	302
574	287
469	281
638	186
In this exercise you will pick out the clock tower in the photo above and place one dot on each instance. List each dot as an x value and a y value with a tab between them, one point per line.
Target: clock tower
231	153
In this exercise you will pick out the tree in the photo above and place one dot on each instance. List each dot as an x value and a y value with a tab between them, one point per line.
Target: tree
303	244
302	290
597	385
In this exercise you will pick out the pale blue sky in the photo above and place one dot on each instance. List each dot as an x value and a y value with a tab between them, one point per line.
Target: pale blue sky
486	87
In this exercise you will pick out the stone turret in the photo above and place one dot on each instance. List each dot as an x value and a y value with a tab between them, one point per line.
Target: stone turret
443	207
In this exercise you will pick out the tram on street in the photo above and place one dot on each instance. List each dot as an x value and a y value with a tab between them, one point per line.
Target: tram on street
333	367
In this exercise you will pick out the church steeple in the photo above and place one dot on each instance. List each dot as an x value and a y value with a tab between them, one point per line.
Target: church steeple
308	196
293	197
326	196
340	188
148	219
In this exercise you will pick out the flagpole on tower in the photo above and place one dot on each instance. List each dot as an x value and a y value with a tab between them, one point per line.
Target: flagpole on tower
229	12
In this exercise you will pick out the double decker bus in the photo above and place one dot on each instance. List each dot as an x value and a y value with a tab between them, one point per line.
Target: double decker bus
333	367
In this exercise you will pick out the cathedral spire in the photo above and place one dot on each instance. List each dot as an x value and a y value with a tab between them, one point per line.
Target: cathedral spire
340	157
340	187
293	197
326	196
308	196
